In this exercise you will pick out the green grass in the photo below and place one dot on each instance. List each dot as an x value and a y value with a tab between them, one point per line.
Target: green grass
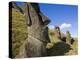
19	31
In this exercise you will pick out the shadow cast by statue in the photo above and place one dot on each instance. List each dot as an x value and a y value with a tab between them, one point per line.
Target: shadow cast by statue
58	49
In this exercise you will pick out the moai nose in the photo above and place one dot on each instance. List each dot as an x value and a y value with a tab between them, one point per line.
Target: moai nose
45	19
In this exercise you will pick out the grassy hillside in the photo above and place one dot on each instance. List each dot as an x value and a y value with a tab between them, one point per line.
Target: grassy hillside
19	31
57	47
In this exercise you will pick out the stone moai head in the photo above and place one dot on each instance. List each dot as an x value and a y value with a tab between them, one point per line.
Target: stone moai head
37	22
68	37
57	32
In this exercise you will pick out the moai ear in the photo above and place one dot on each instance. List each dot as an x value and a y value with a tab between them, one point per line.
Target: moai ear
45	19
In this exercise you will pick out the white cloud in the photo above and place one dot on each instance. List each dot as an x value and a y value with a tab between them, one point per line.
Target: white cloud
65	25
51	26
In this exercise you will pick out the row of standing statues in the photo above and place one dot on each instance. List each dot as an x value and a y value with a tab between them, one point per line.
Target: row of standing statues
37	25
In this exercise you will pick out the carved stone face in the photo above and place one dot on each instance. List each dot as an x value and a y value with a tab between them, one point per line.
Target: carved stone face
38	28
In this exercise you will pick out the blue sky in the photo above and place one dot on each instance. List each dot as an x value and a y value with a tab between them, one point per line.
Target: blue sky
64	16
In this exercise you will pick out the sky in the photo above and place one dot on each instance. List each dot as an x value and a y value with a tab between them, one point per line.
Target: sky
64	16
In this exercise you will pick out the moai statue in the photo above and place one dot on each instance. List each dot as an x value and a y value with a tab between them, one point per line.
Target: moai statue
57	32
35	44
72	40
68	37
37	31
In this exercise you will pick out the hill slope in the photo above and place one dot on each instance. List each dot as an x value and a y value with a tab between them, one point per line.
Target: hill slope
58	47
19	30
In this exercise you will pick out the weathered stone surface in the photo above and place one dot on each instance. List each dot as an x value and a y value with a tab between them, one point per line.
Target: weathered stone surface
35	44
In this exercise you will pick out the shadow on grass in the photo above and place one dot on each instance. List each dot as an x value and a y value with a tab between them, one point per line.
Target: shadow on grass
59	49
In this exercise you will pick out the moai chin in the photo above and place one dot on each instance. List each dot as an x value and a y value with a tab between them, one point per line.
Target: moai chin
35	44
